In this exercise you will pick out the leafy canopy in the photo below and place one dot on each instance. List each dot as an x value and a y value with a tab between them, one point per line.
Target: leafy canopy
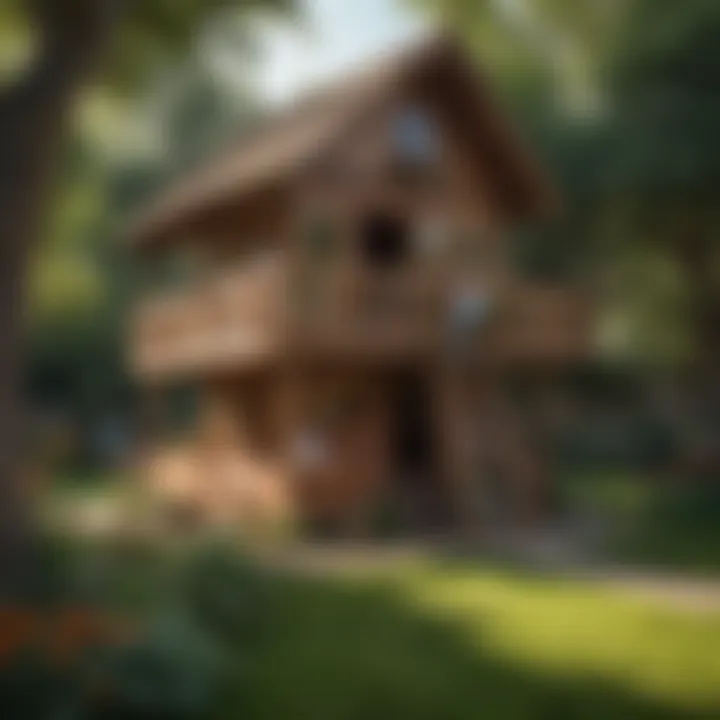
148	32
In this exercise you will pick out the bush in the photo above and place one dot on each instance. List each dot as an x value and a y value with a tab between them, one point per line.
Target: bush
183	652
225	595
173	672
680	529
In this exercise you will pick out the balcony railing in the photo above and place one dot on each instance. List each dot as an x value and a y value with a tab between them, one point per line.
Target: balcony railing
244	316
359	311
229	319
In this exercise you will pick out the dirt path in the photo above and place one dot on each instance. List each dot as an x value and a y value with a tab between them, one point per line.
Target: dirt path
548	554
668	590
682	593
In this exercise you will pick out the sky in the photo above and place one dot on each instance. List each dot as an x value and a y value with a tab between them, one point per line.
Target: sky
334	36
337	35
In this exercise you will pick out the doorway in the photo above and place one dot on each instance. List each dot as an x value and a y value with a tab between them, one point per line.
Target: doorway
421	501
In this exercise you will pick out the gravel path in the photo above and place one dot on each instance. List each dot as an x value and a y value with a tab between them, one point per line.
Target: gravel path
666	589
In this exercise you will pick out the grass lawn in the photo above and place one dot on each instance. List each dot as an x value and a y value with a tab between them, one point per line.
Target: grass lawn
454	641
457	642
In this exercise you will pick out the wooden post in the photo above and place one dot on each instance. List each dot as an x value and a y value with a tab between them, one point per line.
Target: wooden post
289	418
457	430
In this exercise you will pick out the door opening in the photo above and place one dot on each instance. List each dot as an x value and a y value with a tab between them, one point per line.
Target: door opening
416	477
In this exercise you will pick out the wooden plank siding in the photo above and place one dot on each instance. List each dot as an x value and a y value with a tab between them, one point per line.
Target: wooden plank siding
231	320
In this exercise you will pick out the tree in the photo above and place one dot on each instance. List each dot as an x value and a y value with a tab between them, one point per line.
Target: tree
640	169
82	279
667	158
71	40
666	170
544	49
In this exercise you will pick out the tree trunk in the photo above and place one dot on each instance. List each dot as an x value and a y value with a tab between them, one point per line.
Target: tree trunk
34	117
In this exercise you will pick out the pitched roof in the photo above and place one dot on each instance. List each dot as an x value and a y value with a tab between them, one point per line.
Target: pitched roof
285	142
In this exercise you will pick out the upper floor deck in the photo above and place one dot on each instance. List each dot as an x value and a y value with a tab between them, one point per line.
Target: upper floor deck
268	312
370	223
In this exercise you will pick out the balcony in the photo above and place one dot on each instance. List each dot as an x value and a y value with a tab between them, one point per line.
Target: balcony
360	313
230	320
404	315
242	317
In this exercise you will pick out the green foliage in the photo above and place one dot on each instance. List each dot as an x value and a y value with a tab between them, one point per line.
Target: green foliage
414	640
155	31
33	688
16	41
186	621
654	521
620	100
149	35
539	50
174	671
544	257
171	673
224	593
664	81
677	527
647	298
82	281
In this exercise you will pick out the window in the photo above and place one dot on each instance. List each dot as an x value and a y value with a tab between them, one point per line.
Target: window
385	239
414	138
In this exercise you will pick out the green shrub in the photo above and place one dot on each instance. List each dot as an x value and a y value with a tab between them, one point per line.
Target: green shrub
225	595
680	529
180	649
174	671
33	688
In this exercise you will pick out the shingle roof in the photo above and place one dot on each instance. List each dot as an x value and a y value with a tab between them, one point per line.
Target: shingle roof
283	143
